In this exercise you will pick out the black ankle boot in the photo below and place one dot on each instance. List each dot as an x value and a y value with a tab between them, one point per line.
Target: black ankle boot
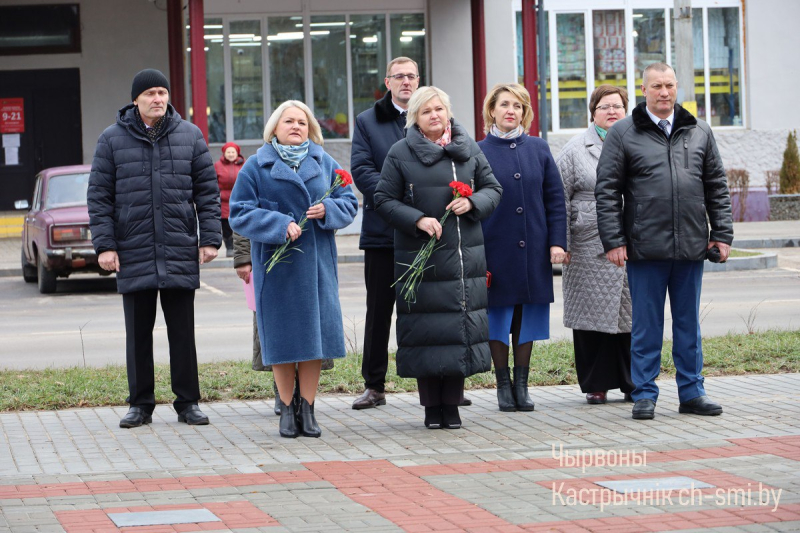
288	422
306	420
505	397
521	397
450	418
433	417
277	408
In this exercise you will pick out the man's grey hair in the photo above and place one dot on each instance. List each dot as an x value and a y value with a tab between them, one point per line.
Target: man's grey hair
401	59
658	67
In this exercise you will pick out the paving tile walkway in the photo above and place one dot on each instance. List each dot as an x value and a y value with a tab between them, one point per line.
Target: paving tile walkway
76	471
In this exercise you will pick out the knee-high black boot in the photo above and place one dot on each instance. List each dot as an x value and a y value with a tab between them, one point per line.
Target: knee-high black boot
521	397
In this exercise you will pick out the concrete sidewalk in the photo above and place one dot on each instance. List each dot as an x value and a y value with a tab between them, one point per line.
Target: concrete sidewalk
76	471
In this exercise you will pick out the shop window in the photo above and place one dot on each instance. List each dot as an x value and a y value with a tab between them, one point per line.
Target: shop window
215	79
329	60
698	59
286	60
42	29
408	39
649	43
608	35
571	37
724	62
368	59
247	86
546	75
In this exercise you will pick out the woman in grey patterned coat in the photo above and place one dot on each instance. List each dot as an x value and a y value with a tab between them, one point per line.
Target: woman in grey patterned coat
597	303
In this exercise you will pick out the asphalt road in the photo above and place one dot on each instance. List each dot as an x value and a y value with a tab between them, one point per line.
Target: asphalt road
83	322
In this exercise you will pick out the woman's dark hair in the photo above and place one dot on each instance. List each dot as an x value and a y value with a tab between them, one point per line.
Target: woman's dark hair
603	91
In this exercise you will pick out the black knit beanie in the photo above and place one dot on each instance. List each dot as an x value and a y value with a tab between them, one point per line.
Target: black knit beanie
146	79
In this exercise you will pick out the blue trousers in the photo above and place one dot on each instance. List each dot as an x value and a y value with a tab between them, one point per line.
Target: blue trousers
649	282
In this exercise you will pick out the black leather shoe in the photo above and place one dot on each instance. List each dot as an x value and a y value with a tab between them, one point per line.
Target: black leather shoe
465	402
371	398
136	417
450	417
306	421
433	417
505	396
628	397
288	423
644	409
702	405
193	416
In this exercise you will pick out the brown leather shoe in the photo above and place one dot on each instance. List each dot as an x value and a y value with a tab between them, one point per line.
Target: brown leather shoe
595	398
371	398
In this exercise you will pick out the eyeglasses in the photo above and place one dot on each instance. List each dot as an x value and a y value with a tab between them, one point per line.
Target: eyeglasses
400	77
606	107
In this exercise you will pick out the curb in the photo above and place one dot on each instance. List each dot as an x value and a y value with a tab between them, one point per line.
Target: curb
757	262
766	243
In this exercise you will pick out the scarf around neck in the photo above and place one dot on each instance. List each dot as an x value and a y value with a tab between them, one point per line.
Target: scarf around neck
513	134
444	140
153	131
290	154
601	132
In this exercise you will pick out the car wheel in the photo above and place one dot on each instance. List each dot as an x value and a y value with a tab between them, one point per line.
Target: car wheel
47	279
28	270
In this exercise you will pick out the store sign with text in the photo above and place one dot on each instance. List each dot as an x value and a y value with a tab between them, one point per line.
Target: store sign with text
12	115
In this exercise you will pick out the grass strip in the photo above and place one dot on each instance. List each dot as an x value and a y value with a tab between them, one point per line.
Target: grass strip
764	352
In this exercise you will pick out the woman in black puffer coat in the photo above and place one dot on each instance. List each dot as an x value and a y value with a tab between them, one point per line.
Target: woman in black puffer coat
443	336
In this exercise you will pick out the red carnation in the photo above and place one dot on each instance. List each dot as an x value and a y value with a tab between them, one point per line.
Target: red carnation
344	176
461	189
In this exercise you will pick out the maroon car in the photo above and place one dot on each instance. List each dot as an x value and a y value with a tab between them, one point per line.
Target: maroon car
56	240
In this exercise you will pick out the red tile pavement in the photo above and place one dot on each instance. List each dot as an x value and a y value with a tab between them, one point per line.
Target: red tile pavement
405	499
238	514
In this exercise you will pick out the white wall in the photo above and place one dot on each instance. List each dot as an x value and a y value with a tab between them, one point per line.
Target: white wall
773	69
500	53
118	39
450	39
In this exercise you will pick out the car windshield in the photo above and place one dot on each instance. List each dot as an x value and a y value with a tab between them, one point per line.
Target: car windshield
67	190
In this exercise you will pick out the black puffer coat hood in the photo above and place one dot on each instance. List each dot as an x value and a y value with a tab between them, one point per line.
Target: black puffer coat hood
446	331
672	189
149	200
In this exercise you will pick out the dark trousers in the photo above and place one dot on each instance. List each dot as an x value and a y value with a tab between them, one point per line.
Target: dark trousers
378	276
140	318
440	391
603	360
227	232
650	281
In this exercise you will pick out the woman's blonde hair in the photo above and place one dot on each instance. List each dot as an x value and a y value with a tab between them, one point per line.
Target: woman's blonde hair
314	131
421	97
519	92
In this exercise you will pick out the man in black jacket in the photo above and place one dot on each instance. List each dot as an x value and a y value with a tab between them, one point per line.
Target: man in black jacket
152	180
377	129
659	176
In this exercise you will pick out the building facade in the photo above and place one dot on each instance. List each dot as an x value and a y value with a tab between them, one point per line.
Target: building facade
71	62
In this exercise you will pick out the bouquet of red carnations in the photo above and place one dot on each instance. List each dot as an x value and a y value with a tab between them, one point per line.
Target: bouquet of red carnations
343	179
412	277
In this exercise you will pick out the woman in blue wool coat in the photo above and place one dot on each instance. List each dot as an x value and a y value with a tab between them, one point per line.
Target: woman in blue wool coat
523	237
297	302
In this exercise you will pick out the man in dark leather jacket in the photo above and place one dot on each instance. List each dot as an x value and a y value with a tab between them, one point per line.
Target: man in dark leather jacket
660	182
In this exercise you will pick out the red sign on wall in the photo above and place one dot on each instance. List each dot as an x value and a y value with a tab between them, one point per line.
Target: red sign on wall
12	115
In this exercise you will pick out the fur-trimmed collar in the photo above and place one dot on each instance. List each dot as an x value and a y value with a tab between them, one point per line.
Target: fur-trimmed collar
385	111
642	120
267	155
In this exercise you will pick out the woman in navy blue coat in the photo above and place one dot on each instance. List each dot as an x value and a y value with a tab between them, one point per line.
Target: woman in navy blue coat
523	237
297	303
